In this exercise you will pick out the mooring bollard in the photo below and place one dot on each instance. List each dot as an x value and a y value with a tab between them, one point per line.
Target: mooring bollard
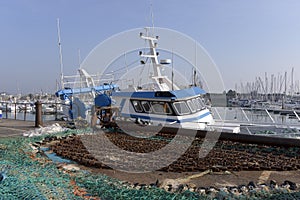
38	114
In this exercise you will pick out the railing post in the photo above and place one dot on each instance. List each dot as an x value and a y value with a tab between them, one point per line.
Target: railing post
15	110
56	111
25	111
6	110
38	114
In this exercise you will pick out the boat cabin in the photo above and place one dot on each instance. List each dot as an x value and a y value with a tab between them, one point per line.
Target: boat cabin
175	108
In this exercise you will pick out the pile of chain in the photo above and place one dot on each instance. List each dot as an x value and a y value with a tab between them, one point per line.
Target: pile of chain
238	156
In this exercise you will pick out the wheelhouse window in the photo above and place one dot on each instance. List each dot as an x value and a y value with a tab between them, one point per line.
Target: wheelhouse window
157	107
191	105
146	106
197	104
181	108
202	104
161	108
137	106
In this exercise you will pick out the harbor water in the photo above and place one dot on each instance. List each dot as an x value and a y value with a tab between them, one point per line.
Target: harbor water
229	114
28	116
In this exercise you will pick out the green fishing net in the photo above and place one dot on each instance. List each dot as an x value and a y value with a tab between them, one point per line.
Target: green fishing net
27	173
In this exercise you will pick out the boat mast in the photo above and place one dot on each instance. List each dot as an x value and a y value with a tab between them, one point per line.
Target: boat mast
194	68
152	17
153	53
292	82
60	56
284	93
172	70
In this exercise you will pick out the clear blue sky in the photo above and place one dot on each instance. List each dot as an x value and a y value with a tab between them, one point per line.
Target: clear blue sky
244	38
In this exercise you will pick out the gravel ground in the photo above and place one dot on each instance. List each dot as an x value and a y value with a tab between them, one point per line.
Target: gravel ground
217	180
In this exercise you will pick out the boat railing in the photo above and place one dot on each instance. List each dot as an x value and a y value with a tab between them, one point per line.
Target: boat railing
243	111
270	116
296	114
77	81
250	116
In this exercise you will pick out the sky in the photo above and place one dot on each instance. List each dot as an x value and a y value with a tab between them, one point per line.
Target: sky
245	39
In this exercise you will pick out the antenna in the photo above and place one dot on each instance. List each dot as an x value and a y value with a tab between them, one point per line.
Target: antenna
60	56
152	18
194	76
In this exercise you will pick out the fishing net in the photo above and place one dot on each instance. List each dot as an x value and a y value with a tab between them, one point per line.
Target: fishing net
28	173
30	176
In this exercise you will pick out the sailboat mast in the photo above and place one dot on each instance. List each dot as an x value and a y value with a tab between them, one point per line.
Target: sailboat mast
284	93
60	55
292	82
172	70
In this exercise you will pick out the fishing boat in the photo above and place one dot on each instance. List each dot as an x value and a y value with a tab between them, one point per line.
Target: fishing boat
78	91
161	103
77	101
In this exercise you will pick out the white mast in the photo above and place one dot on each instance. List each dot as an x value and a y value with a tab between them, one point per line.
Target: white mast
152	18
60	56
163	82
172	70
292	82
284	93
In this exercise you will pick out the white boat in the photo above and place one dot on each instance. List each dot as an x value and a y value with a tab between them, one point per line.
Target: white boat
25	106
9	107
162	103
